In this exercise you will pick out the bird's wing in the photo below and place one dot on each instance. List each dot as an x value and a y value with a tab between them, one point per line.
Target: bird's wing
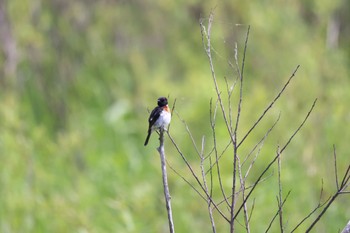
154	115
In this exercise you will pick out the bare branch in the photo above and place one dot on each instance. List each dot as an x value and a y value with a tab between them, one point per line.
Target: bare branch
248	188
235	147
189	183
344	184
207	35
190	134
254	148
252	209
279	199
229	93
330	201
345	180
196	177
319	205
212	123
301	125
277	213
335	167
242	181
269	106
186	162
237	166
206	188
241	84
165	181
261	143
275	158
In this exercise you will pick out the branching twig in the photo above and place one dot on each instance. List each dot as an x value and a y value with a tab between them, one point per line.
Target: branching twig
239	168
279	198
196	177
277	213
212	123
235	149
242	181
319	205
189	183
269	106
189	134
254	148
275	158
341	190
261	143
206	188
207	35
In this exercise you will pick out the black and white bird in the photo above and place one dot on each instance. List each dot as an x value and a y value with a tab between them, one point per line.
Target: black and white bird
160	117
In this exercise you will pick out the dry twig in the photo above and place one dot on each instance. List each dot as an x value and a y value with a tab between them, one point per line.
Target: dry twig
165	181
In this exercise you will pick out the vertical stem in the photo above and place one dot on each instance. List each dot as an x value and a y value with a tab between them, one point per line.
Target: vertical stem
242	181
165	181
235	147
280	210
209	201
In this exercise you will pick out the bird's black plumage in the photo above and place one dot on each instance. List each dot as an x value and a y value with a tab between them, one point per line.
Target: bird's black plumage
155	114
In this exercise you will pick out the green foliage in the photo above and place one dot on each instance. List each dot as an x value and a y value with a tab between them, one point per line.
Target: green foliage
74	112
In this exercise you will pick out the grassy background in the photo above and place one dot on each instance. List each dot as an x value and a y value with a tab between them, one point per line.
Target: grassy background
77	78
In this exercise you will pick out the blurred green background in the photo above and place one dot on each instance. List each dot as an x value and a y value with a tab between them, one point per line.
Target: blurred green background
77	78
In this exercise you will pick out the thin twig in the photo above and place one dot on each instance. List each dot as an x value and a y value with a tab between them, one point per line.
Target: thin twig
344	184
235	148
212	123
248	188
300	126
319	205
269	106
261	143
186	162
242	181
189	134
275	158
252	209
239	106
346	178
196	177
279	198
206	188
207	35
280	206
256	145
189	183
335	167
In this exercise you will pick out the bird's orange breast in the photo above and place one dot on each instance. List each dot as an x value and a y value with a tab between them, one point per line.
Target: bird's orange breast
166	108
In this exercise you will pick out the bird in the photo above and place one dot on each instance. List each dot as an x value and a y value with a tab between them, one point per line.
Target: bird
159	118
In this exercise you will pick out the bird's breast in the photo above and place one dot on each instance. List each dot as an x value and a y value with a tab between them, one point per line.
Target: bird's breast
163	120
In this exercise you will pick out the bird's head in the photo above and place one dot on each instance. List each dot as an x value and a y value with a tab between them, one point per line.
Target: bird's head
162	101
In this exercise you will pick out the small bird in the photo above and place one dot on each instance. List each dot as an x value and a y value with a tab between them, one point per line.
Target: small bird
160	117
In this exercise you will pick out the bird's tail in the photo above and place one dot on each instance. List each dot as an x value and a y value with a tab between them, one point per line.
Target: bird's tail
148	136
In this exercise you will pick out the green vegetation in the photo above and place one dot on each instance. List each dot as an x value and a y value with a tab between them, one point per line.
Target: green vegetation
77	78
